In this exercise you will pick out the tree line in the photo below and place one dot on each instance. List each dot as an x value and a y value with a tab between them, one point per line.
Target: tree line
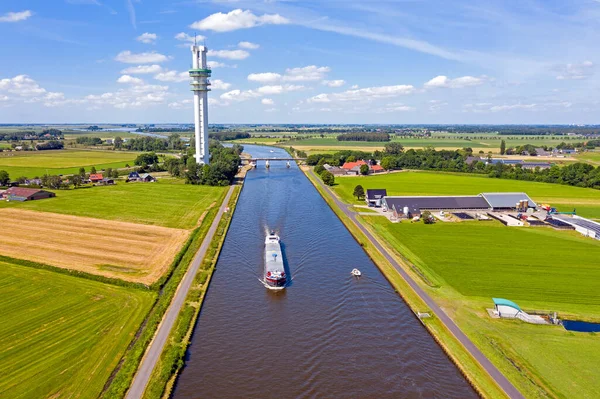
32	135
225	136
358	136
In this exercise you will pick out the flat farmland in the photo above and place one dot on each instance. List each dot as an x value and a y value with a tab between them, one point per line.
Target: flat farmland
128	251
62	336
38	163
565	198
168	203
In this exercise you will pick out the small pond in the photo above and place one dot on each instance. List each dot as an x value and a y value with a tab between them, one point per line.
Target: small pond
581	326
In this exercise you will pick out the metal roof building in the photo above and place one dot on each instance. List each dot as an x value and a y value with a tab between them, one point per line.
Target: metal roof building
506	200
416	204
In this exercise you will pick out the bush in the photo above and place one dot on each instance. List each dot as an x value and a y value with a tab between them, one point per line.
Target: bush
328	178
319	169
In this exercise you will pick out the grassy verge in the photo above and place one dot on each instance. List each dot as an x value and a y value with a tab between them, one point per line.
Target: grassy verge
470	368
119	384
172	358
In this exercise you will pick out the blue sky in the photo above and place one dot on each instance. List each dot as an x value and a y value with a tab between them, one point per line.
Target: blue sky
336	61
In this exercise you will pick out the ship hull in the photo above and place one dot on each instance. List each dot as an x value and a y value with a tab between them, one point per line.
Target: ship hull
274	272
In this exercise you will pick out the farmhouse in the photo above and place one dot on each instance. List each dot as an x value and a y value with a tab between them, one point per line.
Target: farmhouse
26	194
96	177
133	176
374	197
147	178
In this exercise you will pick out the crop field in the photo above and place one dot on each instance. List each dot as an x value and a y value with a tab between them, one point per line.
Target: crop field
592	157
168	203
539	268
565	198
37	163
62	336
127	251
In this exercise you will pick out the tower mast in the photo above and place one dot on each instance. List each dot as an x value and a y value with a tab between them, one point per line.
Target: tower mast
199	85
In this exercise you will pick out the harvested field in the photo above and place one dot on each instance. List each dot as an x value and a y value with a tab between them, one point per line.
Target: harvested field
128	251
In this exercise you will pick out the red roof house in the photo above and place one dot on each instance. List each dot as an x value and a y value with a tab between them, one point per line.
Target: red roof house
350	165
96	177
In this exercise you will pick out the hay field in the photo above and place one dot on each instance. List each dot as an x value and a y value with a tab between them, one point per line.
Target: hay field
128	251
62	336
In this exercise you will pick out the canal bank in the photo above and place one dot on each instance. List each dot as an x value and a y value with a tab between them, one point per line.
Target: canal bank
474	365
328	334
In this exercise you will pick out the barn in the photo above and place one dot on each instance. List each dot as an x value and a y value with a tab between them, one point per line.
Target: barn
506	201
26	194
374	197
412	206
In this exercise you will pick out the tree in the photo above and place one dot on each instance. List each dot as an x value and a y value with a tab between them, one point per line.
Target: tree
4	178
359	192
328	178
394	148
502	147
387	163
145	159
319	169
351	158
82	173
76	180
427	217
93	170
364	169
118	142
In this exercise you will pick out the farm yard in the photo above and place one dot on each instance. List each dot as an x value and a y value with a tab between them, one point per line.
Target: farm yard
167	203
565	198
62	336
128	251
37	163
466	264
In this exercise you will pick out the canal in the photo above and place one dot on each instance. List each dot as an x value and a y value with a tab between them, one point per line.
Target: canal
328	334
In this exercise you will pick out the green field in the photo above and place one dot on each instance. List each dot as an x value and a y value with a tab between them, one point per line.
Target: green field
539	268
168	203
62	336
38	163
565	198
592	157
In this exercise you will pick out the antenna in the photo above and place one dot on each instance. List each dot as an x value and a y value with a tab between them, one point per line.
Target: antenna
195	41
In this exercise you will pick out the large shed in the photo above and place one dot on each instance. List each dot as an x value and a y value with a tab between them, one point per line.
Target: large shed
500	201
414	205
506	308
26	194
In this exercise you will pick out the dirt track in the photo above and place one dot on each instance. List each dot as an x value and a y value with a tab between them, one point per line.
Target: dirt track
129	251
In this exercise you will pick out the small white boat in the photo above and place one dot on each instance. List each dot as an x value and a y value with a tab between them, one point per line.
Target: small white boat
356	272
288	164
271	151
267	165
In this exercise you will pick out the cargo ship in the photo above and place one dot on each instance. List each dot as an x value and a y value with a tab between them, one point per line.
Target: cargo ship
275	277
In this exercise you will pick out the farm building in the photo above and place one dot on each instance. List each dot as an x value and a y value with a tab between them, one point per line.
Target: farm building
506	308
374	197
147	178
412	206
506	201
26	194
335	170
106	182
96	177
133	176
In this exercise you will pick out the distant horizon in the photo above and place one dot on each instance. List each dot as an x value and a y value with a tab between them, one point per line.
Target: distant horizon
298	124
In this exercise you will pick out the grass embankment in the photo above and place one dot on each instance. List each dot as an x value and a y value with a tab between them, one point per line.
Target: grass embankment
539	268
119	384
172	359
62	335
168	203
56	162
461	357
565	198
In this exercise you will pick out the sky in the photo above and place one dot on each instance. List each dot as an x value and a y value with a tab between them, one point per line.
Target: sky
316	61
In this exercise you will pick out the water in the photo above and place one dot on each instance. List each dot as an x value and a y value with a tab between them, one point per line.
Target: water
328	334
581	326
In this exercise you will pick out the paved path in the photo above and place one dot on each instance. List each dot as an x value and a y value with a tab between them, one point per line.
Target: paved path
500	379
138	386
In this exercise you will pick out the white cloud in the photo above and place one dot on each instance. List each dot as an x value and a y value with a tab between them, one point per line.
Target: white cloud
464	81
266	77
181	104
366	94
267	101
334	83
148	38
16	16
141	69
131	10
271	110
248	45
128	57
278	89
238	95
307	73
229	54
217	84
4	98
393	107
498	108
576	71
172	76
237	19
21	85
134	96
354	87
217	64
184	37
127	79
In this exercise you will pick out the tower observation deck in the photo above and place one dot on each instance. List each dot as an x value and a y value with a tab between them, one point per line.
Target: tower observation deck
200	86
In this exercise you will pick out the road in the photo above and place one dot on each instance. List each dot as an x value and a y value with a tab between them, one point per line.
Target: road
140	380
500	379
